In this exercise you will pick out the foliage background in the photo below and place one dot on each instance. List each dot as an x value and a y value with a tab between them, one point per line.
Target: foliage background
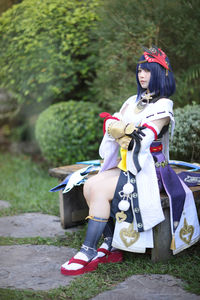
67	133
186	141
57	50
125	27
44	49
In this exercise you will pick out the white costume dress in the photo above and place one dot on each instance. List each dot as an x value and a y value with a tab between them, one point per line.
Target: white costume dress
128	236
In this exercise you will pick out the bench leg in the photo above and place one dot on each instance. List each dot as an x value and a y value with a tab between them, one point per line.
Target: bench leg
73	207
162	239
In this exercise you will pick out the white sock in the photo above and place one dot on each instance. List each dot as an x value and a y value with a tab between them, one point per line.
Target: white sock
104	246
75	266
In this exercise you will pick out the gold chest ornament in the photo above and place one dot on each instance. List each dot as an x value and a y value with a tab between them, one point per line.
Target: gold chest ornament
143	102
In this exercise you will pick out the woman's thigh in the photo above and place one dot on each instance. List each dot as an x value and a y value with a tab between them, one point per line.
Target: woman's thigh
101	185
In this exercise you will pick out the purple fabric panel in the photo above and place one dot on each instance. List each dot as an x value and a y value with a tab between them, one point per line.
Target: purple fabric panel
110	162
172	185
160	184
190	178
174	189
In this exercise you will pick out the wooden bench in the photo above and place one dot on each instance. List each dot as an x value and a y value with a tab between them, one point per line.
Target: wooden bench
73	211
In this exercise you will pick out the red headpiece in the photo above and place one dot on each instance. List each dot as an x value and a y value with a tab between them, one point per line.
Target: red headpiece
156	55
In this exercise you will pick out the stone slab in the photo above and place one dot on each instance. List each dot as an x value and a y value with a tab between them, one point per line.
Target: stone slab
33	267
146	287
37	267
4	204
32	225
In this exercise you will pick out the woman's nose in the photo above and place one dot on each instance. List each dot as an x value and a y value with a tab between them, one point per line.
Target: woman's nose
142	73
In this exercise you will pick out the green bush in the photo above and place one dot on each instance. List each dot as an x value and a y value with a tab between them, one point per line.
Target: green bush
127	25
186	140
68	132
45	49
8	106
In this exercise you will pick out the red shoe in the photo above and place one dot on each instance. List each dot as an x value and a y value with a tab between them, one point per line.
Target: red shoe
87	267
110	256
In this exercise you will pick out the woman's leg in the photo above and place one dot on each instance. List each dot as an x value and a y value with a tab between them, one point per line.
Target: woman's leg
98	191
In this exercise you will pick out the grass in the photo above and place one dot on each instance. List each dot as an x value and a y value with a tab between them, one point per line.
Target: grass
25	185
184	266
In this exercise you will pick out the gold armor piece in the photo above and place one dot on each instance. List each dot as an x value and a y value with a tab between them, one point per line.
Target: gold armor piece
129	128
116	129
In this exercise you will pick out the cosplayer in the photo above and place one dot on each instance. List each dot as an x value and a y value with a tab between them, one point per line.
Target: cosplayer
129	191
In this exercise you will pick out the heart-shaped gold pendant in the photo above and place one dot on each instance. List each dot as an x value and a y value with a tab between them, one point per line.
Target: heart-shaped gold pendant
186	232
120	216
129	236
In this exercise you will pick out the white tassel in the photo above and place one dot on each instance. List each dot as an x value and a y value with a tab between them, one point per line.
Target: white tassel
124	205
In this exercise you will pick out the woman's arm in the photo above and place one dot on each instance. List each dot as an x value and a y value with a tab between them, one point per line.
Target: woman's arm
160	123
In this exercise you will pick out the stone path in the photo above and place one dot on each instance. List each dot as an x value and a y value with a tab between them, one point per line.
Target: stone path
38	267
32	225
33	267
4	204
148	287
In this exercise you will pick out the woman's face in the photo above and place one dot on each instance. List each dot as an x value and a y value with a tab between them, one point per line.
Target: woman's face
144	76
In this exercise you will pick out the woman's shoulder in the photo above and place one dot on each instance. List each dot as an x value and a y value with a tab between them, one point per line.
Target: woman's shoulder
131	99
160	109
165	102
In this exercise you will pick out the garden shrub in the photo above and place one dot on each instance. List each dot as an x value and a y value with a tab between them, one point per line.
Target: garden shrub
8	106
68	132
186	140
45	49
125	26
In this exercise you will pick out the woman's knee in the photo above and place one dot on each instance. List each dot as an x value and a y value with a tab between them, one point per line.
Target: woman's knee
87	189
91	188
101	185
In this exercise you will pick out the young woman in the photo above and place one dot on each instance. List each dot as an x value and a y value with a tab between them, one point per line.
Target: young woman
129	191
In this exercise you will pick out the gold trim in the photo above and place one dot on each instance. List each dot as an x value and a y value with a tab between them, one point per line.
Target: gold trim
186	232
120	216
129	233
186	246
96	219
173	245
142	61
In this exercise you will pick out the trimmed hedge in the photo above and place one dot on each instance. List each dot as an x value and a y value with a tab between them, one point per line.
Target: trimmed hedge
186	141
45	51
8	106
68	132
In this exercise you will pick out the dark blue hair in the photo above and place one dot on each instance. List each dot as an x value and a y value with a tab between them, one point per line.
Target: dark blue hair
161	84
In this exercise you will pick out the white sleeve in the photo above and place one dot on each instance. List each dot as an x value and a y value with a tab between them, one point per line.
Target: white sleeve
161	109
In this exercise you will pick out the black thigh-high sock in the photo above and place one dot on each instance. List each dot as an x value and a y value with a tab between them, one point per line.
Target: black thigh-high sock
108	232
95	229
